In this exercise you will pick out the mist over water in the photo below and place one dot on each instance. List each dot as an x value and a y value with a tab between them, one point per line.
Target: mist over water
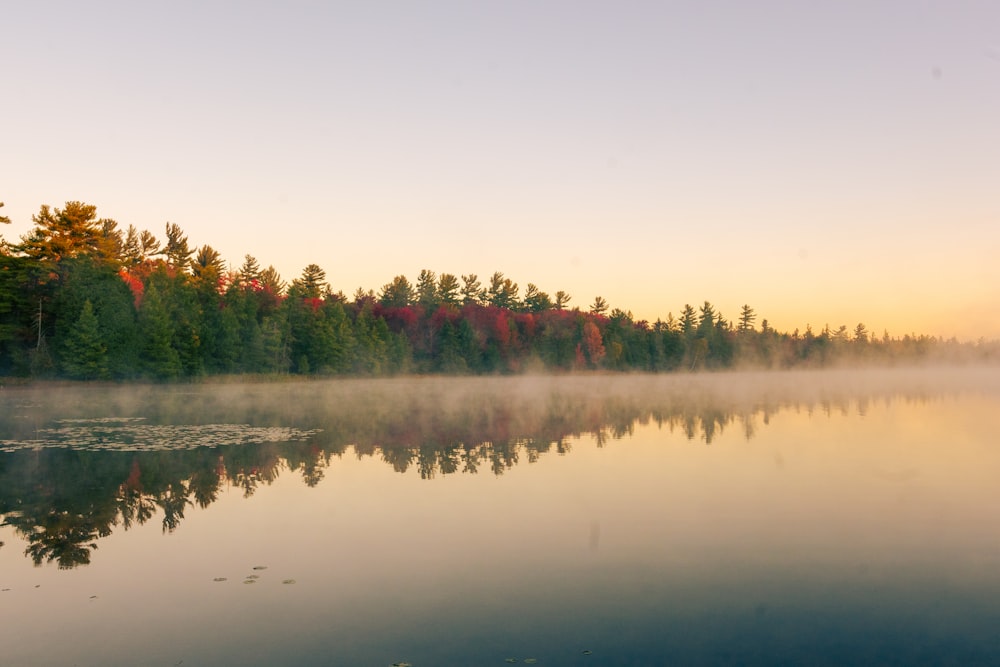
826	517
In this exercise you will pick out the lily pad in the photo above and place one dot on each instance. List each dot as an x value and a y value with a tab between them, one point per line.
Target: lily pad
219	579
530	661
250	581
253	576
288	581
260	567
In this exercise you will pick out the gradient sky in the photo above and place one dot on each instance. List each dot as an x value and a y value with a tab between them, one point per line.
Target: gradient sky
826	163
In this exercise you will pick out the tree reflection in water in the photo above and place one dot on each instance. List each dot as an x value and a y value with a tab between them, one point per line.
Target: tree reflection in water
78	462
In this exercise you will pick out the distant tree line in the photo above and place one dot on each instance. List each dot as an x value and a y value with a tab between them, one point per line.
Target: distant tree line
82	298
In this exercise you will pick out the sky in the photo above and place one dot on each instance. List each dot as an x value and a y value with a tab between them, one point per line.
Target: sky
825	163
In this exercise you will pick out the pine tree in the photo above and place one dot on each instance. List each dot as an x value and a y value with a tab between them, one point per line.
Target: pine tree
63	233
85	356
747	318
397	294
427	293
448	289
176	250
472	289
159	358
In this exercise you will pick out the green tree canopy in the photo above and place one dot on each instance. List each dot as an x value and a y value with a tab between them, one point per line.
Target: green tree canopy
397	294
86	356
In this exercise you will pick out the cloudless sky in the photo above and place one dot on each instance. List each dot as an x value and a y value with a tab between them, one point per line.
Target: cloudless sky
824	162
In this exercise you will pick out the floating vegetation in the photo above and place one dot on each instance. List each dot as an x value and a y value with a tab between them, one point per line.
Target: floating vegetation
102	420
530	661
253	576
588	652
401	664
260	567
511	660
220	579
132	434
250	581
288	581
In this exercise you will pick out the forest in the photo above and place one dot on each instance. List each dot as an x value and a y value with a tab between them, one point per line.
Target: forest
83	299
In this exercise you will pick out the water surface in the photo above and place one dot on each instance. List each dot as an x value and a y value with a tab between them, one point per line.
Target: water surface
837	517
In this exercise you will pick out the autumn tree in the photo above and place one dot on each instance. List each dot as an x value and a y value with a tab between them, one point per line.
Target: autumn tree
592	344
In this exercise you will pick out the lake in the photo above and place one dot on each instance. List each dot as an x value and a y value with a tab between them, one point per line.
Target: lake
813	517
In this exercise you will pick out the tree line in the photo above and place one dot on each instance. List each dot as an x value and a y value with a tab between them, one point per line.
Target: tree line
82	298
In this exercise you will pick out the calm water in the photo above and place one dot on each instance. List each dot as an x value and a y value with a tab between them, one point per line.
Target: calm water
796	518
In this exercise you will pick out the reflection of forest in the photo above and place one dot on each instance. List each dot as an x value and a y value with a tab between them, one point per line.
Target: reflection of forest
61	493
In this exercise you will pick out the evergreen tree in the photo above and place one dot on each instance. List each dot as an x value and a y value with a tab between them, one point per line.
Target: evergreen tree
249	272
502	293
448	289
397	294
87	279
85	355
472	289
562	299
271	282
535	300
207	267
706	320
747	318
176	250
312	284
688	321
159	359
427	294
72	231
599	307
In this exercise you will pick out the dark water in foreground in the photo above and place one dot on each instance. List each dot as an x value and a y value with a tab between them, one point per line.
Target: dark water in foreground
798	518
